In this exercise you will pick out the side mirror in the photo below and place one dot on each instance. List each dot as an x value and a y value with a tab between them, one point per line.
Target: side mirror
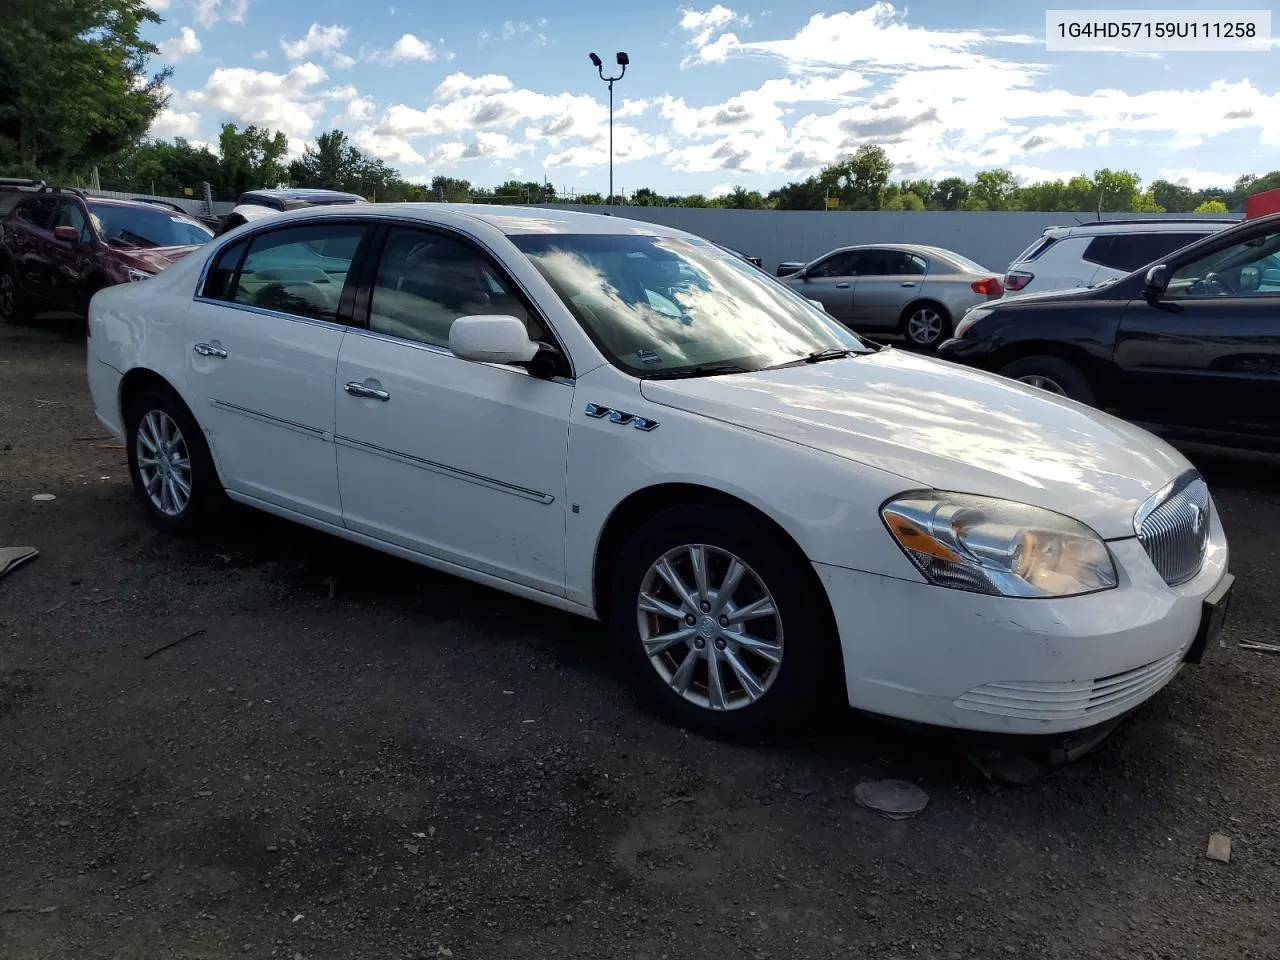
491	339
67	233
1156	283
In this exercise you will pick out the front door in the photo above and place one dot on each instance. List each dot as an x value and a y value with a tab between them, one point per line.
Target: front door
262	362
71	261
887	281
1207	354
830	282
462	461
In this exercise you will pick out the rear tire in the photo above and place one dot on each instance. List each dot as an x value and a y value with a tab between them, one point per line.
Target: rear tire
13	308
771	638
1053	375
170	464
925	324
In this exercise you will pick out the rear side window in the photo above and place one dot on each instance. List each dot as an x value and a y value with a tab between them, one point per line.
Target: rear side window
1035	250
8	200
299	270
37	212
1129	251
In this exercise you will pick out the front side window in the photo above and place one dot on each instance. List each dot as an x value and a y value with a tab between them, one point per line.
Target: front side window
296	270
837	265
128	226
1250	268
672	307
70	215
425	281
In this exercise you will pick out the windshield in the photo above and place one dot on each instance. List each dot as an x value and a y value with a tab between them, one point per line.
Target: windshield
661	306
140	227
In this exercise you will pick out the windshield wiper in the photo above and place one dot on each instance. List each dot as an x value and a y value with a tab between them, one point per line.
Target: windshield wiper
835	353
706	370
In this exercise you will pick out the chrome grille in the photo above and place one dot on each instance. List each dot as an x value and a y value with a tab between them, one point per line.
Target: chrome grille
1173	527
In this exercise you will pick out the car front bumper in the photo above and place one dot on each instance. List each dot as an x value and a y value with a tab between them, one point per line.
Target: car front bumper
948	658
966	351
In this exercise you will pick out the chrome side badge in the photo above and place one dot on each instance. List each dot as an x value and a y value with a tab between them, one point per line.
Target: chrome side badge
619	417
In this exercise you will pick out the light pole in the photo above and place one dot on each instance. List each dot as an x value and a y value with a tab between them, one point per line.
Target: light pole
623	60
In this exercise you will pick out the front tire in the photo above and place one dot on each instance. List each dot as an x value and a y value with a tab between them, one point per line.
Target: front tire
170	464
925	325
1053	375
721	625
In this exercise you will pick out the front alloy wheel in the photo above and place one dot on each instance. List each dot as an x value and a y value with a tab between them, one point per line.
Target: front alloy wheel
1047	384
710	627
925	326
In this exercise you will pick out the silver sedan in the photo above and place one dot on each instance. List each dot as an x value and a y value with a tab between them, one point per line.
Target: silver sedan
915	290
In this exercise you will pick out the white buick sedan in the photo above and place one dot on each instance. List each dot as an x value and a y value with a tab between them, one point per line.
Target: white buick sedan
627	422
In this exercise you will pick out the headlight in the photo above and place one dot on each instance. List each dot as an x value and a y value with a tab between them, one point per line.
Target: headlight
136	275
998	547
971	317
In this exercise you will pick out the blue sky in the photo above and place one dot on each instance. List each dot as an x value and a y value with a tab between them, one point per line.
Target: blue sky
717	94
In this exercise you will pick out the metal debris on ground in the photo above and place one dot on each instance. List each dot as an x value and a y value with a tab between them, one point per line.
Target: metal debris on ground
11	558
173	643
895	799
44	497
1259	647
1219	848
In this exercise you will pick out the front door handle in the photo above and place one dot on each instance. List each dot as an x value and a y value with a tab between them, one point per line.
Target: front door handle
908	283
842	286
358	389
210	350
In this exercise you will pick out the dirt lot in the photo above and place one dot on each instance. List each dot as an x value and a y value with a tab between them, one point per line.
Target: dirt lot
360	758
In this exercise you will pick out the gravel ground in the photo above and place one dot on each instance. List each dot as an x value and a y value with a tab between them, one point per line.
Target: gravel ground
358	758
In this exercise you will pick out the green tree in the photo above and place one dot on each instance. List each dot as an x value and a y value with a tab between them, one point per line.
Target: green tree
164	168
1117	189
73	81
450	190
251	158
1174	197
808	194
995	190
904	200
1212	206
860	180
950	193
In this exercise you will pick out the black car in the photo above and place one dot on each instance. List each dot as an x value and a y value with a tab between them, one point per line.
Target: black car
1189	347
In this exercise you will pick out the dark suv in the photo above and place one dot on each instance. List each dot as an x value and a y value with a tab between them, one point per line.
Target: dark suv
1189	346
58	246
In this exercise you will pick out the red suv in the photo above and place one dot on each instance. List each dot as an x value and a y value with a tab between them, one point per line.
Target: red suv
58	247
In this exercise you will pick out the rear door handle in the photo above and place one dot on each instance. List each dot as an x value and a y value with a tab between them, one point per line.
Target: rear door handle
210	350
358	389
842	286
907	283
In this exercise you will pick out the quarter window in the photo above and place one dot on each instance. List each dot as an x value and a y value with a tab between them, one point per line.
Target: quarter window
222	274
1129	251
425	281
298	270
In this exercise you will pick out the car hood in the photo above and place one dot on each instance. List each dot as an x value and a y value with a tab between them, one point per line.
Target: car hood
153	259
946	427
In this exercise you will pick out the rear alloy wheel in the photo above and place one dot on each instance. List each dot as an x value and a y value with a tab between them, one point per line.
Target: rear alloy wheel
169	461
719	627
925	325
1052	375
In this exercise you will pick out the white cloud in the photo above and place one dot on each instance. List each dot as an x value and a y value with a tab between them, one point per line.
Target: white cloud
209	12
185	44
720	190
703	23
1026	175
1197	179
319	41
282	101
262	55
341	61
460	85
357	109
172	123
409	47
485	145
157	5
390	148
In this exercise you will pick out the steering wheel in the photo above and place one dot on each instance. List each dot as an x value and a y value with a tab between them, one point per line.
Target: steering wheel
1217	285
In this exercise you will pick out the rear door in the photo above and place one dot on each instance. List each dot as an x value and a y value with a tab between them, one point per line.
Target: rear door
1207	355
830	282
262	361
887	281
31	236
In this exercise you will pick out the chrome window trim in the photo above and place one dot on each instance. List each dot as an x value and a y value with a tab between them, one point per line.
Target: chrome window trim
500	485
444	352
373	219
262	311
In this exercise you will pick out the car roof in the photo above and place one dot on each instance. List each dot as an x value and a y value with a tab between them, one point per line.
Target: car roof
300	193
1139	225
